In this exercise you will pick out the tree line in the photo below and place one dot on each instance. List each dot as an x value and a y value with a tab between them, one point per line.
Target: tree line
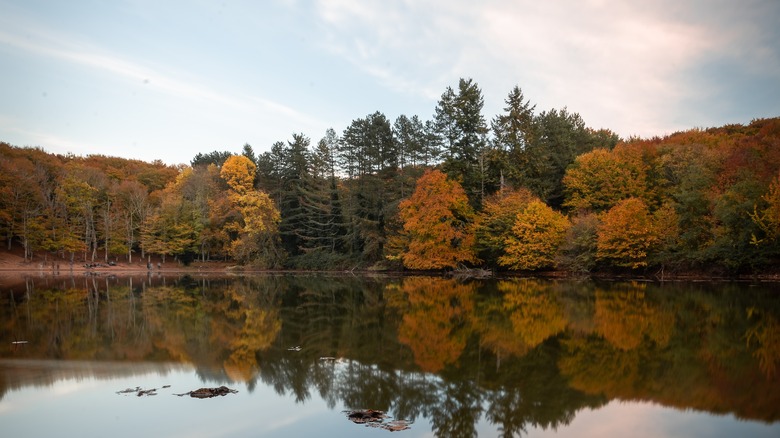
525	190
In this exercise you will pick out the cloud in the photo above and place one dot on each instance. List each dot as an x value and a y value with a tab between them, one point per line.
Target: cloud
160	78
627	66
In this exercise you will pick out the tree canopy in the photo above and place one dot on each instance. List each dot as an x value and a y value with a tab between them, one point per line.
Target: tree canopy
383	194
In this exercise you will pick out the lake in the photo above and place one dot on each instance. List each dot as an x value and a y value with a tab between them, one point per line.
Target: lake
439	357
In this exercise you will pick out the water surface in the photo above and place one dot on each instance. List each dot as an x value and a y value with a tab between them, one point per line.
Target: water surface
492	358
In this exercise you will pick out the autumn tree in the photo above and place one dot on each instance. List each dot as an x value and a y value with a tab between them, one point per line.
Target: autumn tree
537	233
598	179
496	220
22	201
258	218
132	199
437	220
627	234
767	218
173	229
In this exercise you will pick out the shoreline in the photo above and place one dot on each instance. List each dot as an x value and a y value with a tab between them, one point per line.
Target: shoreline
224	269
12	265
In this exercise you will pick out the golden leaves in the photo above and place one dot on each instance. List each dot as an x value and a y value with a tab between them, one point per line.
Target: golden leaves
536	235
239	173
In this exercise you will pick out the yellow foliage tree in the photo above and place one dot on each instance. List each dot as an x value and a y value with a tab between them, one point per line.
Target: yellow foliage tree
259	216
238	172
627	234
496	220
437	220
768	218
537	233
597	180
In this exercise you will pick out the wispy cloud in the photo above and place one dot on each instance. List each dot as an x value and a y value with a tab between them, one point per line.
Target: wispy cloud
175	84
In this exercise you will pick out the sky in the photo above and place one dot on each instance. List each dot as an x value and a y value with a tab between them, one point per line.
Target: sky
165	79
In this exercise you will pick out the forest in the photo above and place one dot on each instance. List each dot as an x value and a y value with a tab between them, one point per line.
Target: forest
526	191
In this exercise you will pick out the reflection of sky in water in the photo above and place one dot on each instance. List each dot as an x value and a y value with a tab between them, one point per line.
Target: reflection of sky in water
639	420
90	407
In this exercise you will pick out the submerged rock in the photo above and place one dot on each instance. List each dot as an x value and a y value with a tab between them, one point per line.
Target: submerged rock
373	418
366	416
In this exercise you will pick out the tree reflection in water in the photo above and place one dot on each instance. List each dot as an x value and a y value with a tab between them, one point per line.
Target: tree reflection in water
517	353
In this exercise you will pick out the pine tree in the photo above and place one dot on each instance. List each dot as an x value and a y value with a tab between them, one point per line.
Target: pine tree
463	130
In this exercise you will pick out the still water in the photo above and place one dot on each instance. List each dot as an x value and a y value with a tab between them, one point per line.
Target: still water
439	356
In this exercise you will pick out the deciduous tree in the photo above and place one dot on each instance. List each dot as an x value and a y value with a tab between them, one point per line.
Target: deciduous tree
537	233
496	220
598	179
627	234
437	220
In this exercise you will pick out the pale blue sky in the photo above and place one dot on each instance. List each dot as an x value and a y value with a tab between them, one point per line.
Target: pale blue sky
168	79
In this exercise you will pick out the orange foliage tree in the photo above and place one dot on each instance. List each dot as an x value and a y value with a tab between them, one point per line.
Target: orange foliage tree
437	221
536	235
627	234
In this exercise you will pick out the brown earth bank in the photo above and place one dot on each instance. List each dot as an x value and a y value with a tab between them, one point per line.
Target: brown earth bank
14	269
13	264
13	261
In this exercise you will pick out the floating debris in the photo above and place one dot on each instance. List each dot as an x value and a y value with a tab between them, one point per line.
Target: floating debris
374	418
328	359
209	392
296	348
18	342
129	390
394	425
138	391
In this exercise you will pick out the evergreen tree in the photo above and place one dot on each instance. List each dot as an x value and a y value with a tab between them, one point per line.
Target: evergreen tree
463	130
297	183
216	158
412	142
369	158
270	171
513	131
334	228
560	136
